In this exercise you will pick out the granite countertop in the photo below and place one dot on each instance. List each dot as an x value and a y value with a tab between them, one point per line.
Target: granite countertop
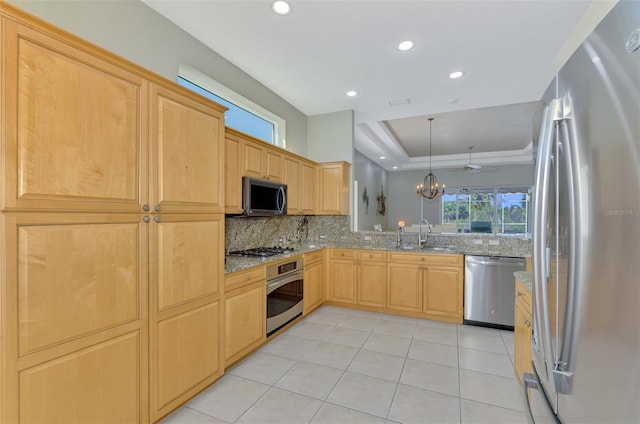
525	277
234	264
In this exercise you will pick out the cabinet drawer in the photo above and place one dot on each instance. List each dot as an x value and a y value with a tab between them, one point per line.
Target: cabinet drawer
313	256
373	255
344	253
243	278
524	295
440	259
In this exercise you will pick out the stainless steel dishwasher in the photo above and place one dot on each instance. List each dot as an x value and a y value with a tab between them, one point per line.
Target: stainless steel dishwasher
489	290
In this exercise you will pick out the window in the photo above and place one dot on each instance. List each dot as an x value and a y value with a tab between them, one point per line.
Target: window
243	115
503	211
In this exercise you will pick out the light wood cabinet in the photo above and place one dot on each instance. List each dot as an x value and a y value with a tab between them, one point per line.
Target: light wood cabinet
358	277
307	188
232	173
186	149
186	314
245	312
343	280
292	178
333	185
442	292
112	233
404	287
314	265
430	285
245	320
261	161
74	294
522	331
75	127
372	278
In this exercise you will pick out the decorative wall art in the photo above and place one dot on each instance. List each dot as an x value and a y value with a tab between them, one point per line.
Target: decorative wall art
365	200
382	208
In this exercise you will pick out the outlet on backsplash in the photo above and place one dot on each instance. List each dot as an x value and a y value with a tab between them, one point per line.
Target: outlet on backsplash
477	241
494	242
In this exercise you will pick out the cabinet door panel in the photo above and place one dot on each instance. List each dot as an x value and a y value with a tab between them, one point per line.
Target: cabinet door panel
372	283
189	249
245	318
188	352
76	128
307	188
522	339
187	142
292	180
443	292
404	287
313	285
343	281
74	279
97	384
232	177
252	160
273	165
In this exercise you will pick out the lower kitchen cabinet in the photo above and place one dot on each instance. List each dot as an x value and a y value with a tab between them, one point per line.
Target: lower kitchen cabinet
313	290
73	322
426	285
404	287
358	277
443	292
244	320
186	350
372	278
522	331
343	276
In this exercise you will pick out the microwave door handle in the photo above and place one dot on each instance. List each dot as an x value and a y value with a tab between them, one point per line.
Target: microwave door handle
282	205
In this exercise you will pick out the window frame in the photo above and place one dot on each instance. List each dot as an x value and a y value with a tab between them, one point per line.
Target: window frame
209	84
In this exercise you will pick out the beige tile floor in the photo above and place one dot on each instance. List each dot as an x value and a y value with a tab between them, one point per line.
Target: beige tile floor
345	366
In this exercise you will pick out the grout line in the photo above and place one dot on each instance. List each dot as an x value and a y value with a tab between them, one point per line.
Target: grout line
459	383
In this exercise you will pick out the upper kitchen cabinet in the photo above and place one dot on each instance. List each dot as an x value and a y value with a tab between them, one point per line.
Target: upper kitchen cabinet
261	161
187	144
333	180
232	172
291	177
307	188
74	133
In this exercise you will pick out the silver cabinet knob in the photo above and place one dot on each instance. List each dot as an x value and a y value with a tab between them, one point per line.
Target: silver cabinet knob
146	218
145	208
158	208
156	218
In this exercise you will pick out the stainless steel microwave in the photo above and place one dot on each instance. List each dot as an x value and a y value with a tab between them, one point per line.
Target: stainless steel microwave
263	197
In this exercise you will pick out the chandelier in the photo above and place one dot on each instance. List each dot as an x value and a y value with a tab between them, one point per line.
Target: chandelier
429	188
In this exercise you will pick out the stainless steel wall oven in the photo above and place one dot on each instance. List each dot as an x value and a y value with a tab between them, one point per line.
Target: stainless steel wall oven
284	293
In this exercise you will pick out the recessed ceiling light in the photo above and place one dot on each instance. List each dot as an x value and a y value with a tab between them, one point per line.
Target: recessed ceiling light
405	45
395	167
383	157
456	74
281	7
454	101
352	93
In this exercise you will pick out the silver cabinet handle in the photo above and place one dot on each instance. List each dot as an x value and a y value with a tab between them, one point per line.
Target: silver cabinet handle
145	208
146	218
156	218
158	208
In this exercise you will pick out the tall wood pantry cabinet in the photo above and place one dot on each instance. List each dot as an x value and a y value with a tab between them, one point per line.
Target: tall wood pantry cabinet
111	229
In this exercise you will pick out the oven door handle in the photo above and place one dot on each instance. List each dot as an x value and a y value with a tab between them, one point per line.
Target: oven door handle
283	281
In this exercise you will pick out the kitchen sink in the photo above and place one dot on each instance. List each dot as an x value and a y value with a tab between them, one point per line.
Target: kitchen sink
436	248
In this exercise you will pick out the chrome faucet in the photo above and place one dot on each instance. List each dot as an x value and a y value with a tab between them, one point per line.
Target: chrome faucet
420	238
399	238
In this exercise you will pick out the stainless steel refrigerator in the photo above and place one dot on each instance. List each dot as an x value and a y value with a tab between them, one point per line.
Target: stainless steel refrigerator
586	232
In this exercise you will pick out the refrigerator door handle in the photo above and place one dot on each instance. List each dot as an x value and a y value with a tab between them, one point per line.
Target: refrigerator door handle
542	263
563	369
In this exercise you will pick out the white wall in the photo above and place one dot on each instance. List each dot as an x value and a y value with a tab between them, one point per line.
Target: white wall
373	177
330	137
404	203
131	29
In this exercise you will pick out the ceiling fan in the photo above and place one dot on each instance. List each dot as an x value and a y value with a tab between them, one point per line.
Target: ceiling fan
474	168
